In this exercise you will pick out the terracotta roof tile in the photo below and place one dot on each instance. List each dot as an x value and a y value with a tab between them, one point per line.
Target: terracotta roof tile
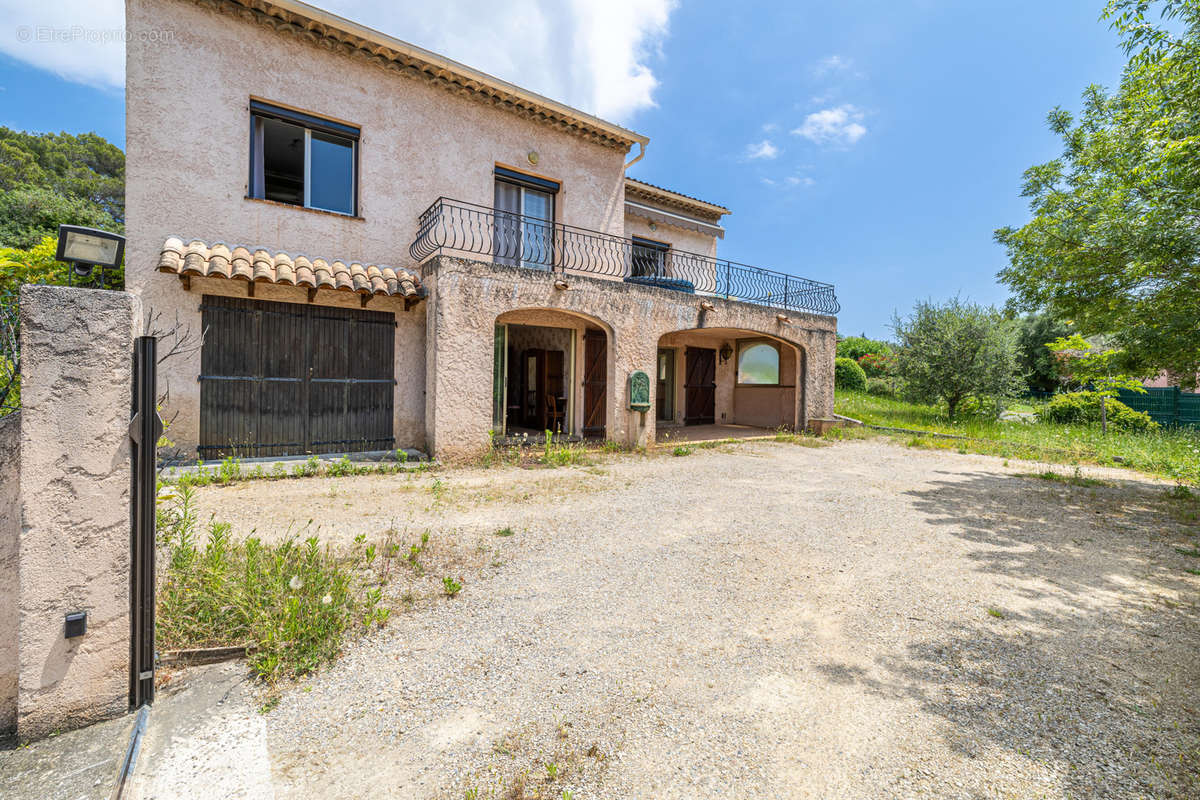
263	266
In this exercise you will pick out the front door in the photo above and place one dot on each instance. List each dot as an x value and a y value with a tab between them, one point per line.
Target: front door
595	382
700	386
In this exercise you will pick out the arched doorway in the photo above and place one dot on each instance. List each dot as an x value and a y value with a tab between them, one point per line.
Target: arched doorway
551	373
734	381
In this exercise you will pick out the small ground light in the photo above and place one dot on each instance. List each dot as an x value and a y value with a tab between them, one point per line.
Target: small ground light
87	248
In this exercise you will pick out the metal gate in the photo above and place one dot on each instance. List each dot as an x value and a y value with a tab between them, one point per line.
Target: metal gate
289	379
145	428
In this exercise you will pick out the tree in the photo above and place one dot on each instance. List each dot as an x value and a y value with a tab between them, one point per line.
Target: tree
858	346
1037	363
1096	368
1114	242
955	351
54	178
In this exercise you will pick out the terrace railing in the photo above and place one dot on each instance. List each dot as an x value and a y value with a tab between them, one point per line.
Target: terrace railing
507	238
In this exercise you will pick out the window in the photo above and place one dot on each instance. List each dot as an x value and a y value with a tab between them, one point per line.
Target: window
524	219
303	160
758	363
649	258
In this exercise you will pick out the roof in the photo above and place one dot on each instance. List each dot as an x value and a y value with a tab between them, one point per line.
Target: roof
683	202
300	19
261	265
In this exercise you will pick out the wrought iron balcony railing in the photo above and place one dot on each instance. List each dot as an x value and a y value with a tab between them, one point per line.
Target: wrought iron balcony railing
454	226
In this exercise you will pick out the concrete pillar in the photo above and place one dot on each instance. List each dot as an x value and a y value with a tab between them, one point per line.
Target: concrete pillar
10	537
77	358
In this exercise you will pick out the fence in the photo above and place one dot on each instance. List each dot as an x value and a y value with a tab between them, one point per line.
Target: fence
1167	407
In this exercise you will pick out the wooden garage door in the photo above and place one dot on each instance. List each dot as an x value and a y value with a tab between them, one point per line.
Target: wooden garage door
289	379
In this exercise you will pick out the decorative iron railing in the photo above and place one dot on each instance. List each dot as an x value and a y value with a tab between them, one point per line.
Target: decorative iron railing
456	226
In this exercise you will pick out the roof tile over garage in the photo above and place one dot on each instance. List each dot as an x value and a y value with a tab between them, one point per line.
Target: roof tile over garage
259	264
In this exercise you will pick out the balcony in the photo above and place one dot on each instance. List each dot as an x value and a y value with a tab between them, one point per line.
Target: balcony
452	226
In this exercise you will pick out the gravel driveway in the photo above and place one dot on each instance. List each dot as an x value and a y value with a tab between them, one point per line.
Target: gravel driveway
764	621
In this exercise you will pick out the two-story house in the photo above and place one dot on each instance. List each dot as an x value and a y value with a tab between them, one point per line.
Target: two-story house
385	248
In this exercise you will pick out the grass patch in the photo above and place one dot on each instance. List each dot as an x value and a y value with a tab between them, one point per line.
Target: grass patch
1185	552
292	604
1075	479
1172	453
683	450
504	532
995	612
559	453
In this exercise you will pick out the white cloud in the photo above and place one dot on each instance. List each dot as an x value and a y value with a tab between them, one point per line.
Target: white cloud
763	149
800	180
591	55
830	64
833	126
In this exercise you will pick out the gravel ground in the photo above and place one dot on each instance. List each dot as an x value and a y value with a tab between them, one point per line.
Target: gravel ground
762	620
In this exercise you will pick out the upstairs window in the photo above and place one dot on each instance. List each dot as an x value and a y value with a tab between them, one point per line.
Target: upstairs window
303	160
649	258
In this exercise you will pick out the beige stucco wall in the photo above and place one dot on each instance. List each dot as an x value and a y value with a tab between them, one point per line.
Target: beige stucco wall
469	296
76	368
10	535
187	140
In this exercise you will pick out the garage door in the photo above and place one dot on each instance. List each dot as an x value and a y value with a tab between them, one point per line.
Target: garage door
290	379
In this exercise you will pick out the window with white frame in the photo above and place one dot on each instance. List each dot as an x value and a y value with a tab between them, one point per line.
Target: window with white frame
303	160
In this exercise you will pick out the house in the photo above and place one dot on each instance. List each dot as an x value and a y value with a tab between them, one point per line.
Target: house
386	248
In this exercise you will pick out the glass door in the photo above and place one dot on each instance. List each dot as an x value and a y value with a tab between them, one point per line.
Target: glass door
524	233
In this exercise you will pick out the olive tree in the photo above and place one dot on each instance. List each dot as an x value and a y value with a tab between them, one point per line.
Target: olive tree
956	351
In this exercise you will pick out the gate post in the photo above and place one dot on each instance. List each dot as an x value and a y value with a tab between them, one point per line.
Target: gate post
144	430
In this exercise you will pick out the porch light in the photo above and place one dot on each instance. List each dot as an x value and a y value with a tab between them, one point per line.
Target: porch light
87	248
726	352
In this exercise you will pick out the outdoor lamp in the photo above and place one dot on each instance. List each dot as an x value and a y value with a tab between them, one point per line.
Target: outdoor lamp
86	248
726	352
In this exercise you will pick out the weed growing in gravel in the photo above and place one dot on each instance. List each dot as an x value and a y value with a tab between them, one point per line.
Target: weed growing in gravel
995	612
551	770
1185	552
683	450
291	604
504	532
451	586
232	470
557	453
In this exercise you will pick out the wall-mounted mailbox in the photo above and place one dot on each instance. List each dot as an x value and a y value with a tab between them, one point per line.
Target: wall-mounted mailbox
76	624
639	391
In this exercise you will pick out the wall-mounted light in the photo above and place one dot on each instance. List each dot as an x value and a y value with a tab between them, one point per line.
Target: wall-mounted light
560	284
706	306
725	352
533	157
87	248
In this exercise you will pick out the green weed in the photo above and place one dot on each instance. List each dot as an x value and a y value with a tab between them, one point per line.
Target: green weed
451	586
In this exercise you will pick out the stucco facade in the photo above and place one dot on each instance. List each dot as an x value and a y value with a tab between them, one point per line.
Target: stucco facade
428	129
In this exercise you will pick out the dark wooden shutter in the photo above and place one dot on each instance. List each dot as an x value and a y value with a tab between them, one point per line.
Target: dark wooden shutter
700	386
595	383
290	379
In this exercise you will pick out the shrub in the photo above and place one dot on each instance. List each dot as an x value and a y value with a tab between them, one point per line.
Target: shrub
847	374
880	387
1083	408
876	365
858	346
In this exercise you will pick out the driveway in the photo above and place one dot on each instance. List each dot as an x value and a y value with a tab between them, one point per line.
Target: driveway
763	620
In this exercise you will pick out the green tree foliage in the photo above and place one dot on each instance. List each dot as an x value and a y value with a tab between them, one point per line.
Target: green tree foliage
1036	361
1083	408
847	374
858	346
954	352
58	178
1114	244
34	265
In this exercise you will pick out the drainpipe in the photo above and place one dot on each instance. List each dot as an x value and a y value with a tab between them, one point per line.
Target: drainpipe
641	154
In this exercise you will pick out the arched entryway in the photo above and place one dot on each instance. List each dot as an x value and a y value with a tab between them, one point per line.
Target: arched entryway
552	372
727	382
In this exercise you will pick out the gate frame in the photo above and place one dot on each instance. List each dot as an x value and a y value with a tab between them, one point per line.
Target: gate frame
145	428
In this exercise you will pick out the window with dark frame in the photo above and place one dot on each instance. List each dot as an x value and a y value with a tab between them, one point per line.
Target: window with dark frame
303	160
524	206
649	258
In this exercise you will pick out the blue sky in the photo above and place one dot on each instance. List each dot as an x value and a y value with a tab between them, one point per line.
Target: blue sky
896	131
